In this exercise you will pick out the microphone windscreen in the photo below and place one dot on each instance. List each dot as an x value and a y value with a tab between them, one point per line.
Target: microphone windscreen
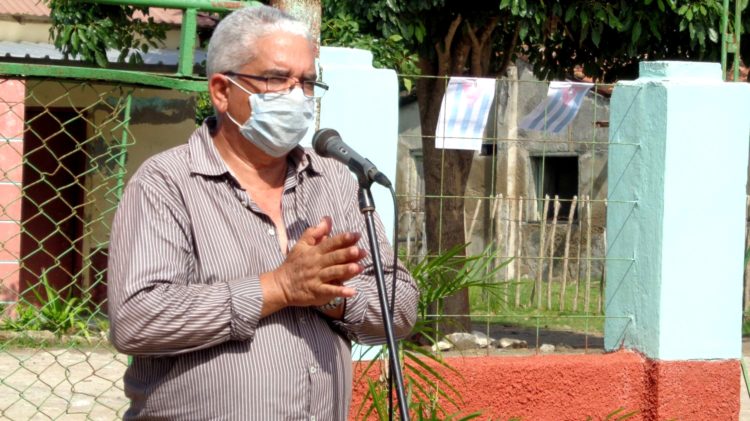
321	139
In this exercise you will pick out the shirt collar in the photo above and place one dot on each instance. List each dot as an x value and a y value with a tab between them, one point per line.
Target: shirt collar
206	160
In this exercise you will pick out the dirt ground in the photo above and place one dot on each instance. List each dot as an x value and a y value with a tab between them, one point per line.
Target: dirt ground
61	384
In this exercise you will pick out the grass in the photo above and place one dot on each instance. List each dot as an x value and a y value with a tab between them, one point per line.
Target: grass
501	308
746	324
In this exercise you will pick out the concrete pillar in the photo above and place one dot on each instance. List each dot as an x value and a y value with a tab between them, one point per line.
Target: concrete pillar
678	160
362	105
12	95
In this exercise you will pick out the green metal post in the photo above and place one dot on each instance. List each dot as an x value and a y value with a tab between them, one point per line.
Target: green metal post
737	35
724	36
123	153
187	42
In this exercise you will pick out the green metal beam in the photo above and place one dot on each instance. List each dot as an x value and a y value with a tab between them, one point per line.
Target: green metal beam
107	75
730	42
737	36
206	5
724	37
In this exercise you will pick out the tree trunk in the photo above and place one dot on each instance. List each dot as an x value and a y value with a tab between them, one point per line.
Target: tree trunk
308	11
446	173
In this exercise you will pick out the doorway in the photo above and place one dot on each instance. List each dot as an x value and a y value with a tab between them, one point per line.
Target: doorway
52	217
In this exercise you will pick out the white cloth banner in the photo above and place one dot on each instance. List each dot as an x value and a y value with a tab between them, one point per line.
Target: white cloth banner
463	114
563	101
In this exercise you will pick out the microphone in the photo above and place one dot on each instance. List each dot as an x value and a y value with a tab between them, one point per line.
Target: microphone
328	143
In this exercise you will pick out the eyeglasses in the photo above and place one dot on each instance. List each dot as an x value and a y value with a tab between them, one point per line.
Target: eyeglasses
284	85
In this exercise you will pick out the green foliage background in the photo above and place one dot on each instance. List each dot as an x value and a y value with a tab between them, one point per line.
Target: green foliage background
89	31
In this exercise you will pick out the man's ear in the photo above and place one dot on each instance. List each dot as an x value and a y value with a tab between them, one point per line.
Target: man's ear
218	90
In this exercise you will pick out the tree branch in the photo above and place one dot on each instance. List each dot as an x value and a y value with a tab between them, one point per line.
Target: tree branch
478	45
444	55
461	55
509	49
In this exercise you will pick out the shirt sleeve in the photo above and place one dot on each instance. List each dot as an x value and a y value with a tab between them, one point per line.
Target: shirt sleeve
156	306
363	320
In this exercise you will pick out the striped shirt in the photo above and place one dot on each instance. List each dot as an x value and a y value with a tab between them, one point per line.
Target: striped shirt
187	247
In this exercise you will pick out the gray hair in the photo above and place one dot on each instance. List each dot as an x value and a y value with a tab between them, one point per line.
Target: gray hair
232	44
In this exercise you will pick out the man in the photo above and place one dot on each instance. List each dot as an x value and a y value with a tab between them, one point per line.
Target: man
237	272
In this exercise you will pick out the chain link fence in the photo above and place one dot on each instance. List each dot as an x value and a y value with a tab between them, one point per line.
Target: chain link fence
534	199
65	149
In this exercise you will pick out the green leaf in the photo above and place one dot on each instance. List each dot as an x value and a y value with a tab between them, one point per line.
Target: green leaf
601	15
101	59
584	18
570	13
596	35
408	85
636	35
74	41
65	37
713	34
660	3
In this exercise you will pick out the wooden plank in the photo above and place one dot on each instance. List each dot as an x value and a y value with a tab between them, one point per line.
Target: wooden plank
540	261
587	297
519	251
550	272
566	254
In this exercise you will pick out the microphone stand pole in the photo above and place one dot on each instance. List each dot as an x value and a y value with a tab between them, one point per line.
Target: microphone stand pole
367	207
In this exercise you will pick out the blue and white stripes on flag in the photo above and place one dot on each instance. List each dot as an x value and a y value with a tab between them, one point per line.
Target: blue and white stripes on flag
558	109
464	112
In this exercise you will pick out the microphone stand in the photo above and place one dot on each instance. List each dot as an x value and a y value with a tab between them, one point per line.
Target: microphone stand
367	207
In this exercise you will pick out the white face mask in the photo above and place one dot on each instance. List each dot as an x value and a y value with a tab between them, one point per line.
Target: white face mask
277	122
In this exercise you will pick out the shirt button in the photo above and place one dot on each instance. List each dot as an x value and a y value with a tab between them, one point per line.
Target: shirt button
313	369
312	418
271	232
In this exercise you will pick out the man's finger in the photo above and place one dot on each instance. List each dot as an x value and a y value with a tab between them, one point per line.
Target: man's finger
337	291
340	241
339	273
314	235
351	254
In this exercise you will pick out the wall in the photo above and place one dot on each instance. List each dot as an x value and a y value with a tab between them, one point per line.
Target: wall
12	94
574	387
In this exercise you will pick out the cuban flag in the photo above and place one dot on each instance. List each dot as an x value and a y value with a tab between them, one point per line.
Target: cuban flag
463	114
558	109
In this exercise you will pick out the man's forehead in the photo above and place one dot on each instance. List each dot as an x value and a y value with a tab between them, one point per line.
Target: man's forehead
282	62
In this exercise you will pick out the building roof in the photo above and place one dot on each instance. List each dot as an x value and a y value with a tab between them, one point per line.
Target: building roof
38	9
43	51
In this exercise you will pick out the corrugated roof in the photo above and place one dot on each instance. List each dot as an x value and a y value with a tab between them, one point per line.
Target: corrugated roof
37	9
23	8
43	51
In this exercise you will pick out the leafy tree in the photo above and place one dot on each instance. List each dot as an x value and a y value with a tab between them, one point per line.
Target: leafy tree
89	31
481	38
343	30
